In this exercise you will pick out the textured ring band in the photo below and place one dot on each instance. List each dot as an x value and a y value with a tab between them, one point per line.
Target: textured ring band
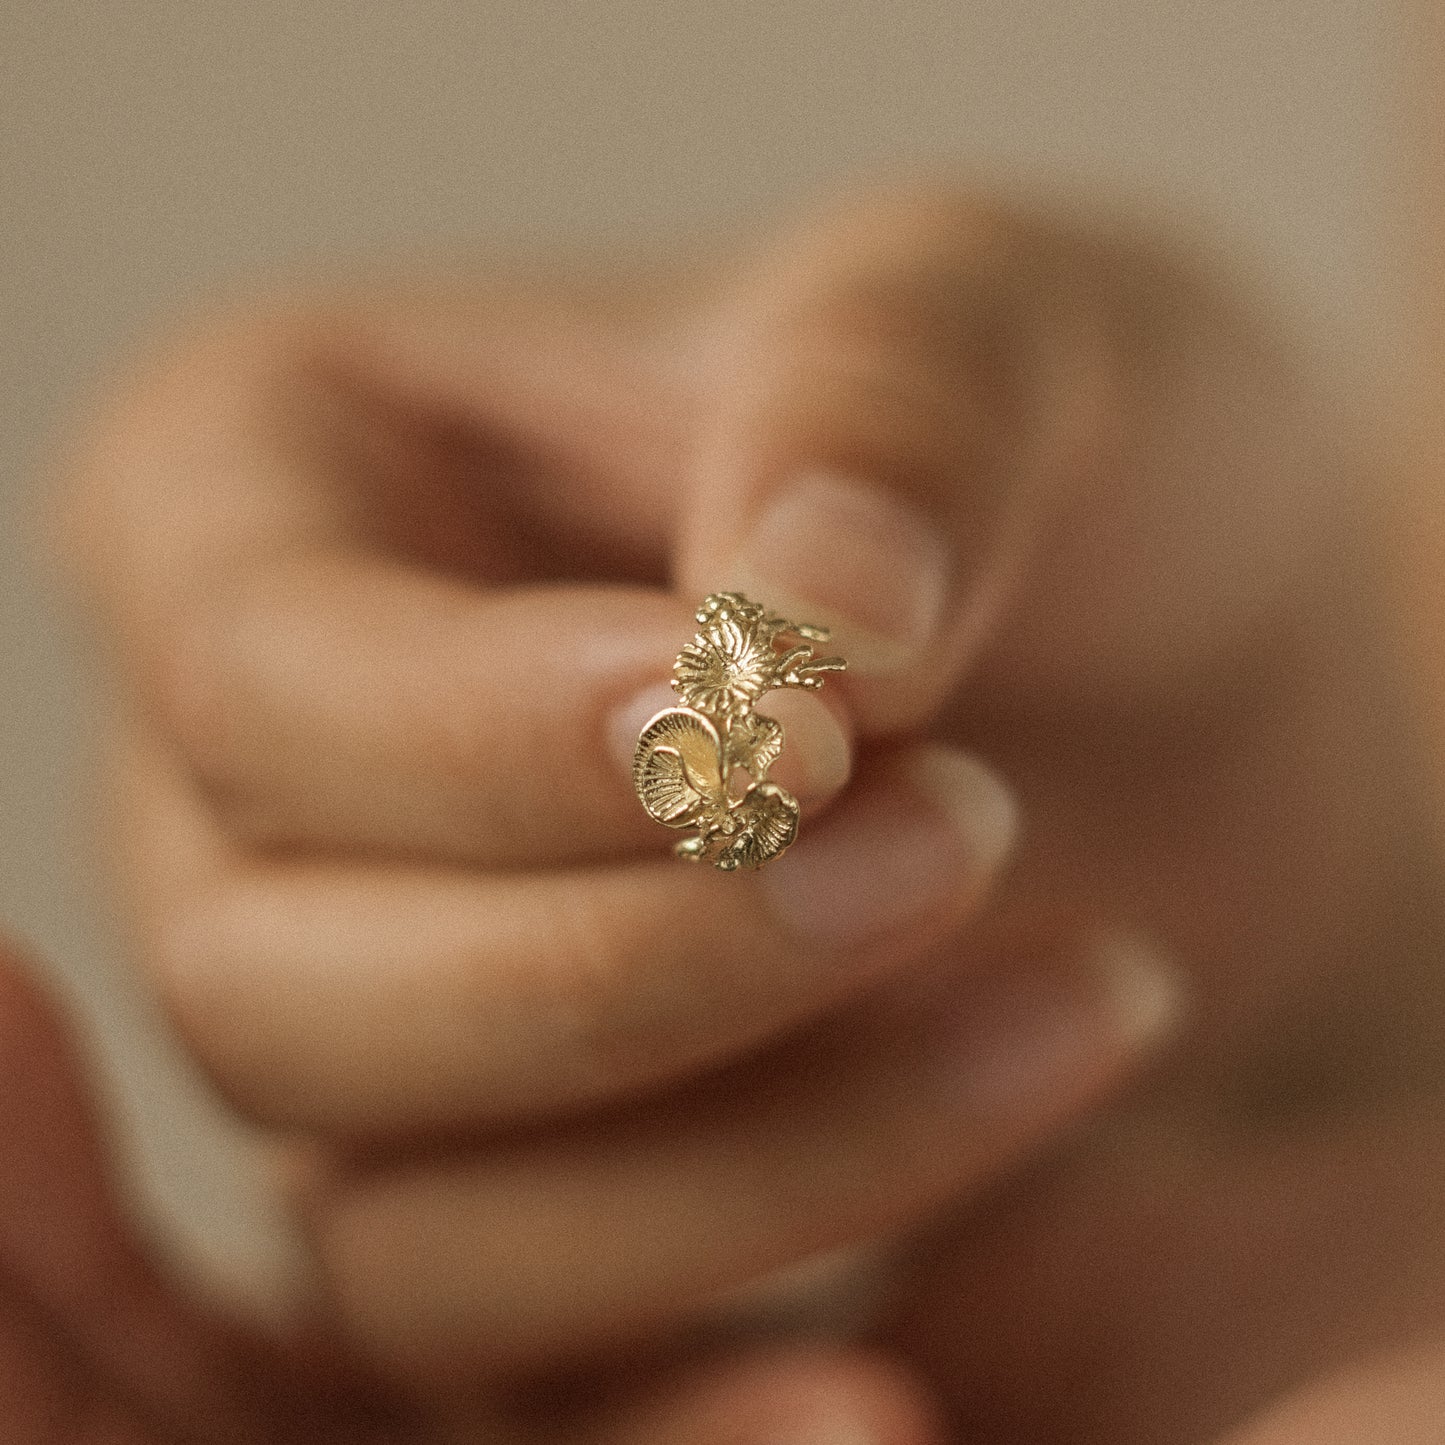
687	757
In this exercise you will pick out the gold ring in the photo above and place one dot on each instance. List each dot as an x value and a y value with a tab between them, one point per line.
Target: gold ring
687	756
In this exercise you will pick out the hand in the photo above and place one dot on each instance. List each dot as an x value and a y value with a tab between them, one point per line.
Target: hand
554	1091
96	1346
1065	504
1169	637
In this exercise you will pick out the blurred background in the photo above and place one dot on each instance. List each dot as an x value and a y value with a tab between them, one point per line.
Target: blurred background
155	154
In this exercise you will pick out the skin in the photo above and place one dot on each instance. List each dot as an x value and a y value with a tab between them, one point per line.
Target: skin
97	1348
375	569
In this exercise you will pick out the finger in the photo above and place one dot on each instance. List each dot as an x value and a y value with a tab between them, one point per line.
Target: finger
454	422
293	532
927	400
567	1241
378	1000
782	1396
85	1322
1302	1227
1398	1397
367	707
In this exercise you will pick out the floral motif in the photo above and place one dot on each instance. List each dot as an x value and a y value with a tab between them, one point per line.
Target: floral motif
686	755
767	818
726	668
754	743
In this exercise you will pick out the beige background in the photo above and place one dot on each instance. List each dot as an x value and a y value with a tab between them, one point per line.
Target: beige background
152	153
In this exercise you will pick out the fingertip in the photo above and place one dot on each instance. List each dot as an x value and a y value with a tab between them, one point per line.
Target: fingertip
979	804
628	718
817	757
911	848
854	557
817	760
799	1396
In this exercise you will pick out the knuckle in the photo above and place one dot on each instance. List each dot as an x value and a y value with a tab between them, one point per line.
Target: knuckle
582	992
898	219
139	461
133	421
205	693
630	1001
195	956
183	952
866	262
188	701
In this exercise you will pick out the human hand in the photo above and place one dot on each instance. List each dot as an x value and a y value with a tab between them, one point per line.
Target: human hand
1167	625
553	1094
97	1347
1062	502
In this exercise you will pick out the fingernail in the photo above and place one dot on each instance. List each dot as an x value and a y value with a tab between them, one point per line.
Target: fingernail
850	556
628	719
817	755
1048	1031
912	845
1144	991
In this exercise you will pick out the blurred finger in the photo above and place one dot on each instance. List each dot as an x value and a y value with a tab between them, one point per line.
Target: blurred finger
567	1240
293	528
75	1283
454	422
859	467
797	1396
1314	1212
363	706
1397	1398
375	1000
925	398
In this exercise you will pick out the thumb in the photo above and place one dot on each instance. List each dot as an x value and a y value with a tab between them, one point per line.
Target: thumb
887	435
946	428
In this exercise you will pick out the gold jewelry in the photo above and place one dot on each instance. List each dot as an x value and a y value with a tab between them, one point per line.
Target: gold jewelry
686	756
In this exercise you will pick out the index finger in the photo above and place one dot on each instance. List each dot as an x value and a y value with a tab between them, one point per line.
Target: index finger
305	535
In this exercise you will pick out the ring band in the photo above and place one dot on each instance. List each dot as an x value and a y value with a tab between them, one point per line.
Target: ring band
686	756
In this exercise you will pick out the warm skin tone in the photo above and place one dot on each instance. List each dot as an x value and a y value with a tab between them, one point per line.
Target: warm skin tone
383	574
96	1348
